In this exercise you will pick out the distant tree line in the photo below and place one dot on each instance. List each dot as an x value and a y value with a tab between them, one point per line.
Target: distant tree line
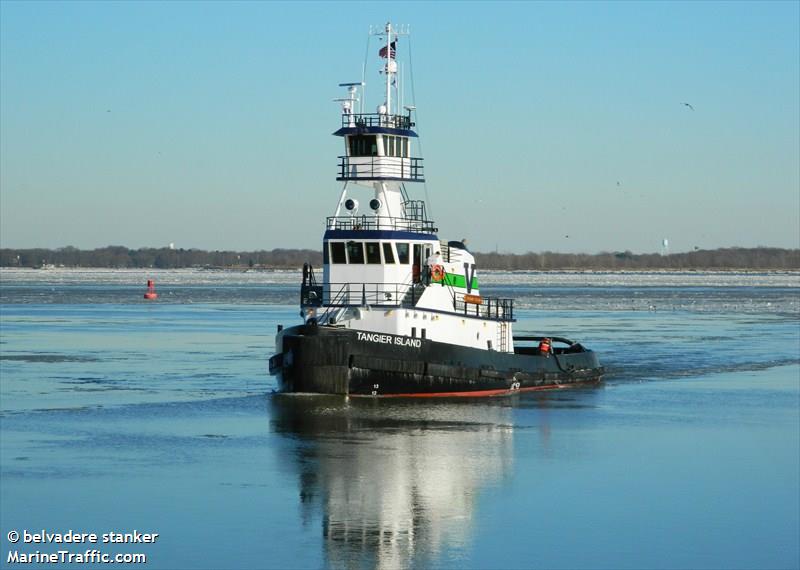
727	258
162	258
165	258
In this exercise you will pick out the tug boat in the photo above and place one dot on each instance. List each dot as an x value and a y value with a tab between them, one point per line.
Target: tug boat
397	311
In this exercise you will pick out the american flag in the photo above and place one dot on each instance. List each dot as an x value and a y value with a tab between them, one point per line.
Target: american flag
393	50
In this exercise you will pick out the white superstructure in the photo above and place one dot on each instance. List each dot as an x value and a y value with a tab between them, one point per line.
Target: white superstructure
385	271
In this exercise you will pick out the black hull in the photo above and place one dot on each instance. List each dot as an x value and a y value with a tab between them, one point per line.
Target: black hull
333	360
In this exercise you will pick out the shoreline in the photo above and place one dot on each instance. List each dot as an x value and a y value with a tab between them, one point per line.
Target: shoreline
759	258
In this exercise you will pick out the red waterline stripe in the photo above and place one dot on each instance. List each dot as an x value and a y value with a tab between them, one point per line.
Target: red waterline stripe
479	393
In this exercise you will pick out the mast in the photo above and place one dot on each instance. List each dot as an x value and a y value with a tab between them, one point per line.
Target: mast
390	68
389	61
377	151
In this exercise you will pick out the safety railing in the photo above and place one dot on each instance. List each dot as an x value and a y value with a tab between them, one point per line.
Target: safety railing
408	294
362	294
486	307
380	168
364	222
377	120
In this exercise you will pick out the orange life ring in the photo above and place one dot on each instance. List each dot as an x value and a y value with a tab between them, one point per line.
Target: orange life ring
437	273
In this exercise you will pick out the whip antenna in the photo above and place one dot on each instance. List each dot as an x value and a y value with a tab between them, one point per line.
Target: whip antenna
416	113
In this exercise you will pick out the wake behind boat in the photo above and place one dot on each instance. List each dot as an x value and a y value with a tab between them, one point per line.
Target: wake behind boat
397	311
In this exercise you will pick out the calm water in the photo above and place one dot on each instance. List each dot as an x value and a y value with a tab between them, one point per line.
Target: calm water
118	414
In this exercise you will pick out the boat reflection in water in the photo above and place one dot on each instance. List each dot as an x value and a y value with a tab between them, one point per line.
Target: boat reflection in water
396	482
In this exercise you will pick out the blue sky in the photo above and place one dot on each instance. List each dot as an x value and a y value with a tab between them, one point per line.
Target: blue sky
545	126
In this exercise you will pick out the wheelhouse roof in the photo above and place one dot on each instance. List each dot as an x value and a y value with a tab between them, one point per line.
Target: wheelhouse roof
345	131
378	234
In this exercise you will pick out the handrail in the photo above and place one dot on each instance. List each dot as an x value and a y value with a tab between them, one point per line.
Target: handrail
386	168
354	294
496	308
361	294
364	222
376	120
537	338
324	317
334	295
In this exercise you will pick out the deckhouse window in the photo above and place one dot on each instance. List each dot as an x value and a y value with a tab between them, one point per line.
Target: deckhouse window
355	252
363	145
388	256
402	253
337	252
373	252
395	146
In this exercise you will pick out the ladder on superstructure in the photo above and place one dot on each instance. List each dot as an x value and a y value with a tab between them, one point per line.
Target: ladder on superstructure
413	294
502	336
445	250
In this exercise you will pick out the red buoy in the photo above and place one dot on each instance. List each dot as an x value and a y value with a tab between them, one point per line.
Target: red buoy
151	290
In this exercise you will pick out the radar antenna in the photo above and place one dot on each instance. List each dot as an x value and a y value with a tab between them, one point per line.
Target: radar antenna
349	102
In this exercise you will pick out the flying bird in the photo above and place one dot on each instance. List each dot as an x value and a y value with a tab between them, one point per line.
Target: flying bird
688	105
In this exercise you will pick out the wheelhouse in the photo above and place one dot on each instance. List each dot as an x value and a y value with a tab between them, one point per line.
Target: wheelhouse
378	252
375	256
378	147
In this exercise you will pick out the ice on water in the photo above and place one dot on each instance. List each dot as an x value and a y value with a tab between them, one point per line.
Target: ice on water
118	413
754	293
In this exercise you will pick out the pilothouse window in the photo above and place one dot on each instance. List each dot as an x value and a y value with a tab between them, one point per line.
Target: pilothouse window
355	252
402	253
337	252
395	146
388	256
373	252
363	145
